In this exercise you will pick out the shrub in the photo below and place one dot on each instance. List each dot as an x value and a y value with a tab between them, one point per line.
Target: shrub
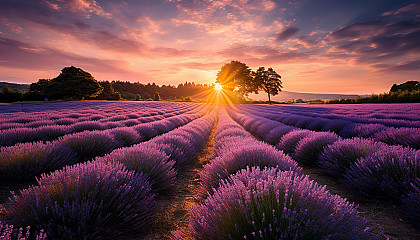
146	159
309	148
89	144
337	157
407	137
261	155
181	143
274	135
26	160
317	124
53	132
87	125
270	204
289	141
411	204
147	130
386	174
367	130
92	200
12	136
336	125
125	136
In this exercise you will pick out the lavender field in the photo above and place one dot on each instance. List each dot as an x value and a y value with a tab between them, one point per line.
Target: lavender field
182	170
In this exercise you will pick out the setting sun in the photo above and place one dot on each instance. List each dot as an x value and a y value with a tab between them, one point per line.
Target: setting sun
218	87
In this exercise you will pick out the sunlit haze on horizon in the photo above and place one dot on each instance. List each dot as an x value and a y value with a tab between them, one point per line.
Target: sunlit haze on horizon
319	46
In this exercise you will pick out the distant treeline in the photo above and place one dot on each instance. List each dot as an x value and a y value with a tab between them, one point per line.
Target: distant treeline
129	90
408	92
75	84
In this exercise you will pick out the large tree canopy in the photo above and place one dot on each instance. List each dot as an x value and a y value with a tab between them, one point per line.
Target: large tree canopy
72	83
268	81
236	77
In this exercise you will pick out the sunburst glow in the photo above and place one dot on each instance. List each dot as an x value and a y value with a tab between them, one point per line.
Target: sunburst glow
218	87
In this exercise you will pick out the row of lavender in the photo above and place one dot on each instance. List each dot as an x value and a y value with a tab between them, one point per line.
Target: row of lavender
45	129
251	190
393	115
113	195
101	111
373	170
26	160
345	127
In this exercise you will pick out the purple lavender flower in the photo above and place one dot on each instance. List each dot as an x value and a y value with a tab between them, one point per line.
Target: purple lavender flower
407	137
244	156
337	157
385	175
309	148
289	141
87	125
125	136
147	159
411	204
367	130
89	144
271	204
9	232
274	135
93	200
27	160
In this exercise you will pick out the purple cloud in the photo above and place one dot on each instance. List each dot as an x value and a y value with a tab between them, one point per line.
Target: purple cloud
286	34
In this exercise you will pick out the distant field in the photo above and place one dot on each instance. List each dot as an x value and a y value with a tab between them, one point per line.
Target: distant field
182	170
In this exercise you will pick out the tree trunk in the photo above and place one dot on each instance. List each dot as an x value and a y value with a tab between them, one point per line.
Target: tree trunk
269	100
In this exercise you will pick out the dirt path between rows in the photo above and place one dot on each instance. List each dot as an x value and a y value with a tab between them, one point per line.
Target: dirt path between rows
173	217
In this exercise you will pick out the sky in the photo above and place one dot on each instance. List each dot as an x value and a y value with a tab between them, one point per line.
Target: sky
318	46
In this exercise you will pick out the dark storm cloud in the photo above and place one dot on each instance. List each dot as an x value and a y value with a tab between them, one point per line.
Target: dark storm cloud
287	33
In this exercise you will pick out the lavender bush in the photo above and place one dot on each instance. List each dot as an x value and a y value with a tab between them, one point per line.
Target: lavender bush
408	137
145	158
274	135
93	200
336	158
309	148
228	163
289	141
271	204
411	204
125	136
367	130
26	160
89	144
385	175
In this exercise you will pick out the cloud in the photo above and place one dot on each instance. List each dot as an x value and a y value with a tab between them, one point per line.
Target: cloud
17	54
399	67
286	33
376	42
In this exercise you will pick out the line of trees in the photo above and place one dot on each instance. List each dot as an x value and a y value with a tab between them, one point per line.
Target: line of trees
238	78
75	84
408	92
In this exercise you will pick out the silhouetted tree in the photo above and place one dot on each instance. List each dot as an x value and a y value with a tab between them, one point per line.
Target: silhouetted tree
407	86
138	97
268	81
156	97
236	77
72	83
108	92
9	95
